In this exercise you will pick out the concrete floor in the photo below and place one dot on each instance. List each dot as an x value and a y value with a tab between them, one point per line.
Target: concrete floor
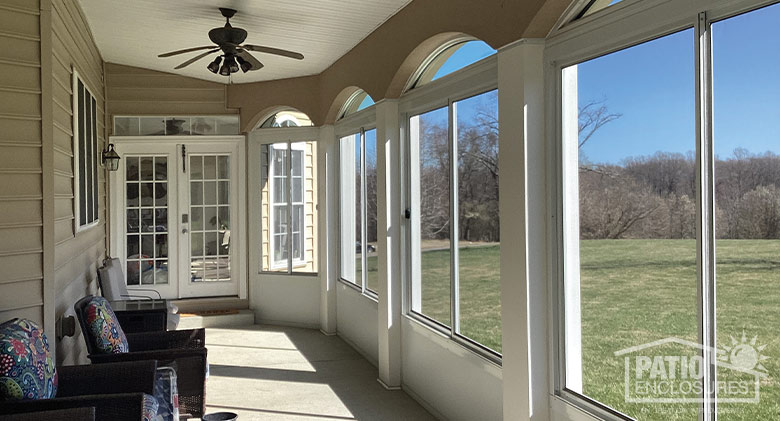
283	373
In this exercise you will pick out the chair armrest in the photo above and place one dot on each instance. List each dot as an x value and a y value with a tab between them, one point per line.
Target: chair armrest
118	407
101	379
172	339
163	356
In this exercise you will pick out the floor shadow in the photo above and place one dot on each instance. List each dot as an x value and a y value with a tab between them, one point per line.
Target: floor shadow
329	361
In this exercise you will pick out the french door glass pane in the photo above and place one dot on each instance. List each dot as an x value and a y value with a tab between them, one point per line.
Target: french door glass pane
478	229
349	199
431	180
146	213
210	226
629	229
746	55
372	276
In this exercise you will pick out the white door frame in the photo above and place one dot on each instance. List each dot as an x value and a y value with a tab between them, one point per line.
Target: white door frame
238	202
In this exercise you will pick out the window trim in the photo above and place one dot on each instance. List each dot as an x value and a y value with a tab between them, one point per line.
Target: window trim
273	263
628	24
356	124
475	79
95	164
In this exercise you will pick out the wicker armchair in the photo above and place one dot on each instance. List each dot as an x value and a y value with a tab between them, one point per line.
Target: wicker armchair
115	391
74	414
184	350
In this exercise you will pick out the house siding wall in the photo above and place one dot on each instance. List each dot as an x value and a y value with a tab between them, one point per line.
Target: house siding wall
134	91
76	254
21	186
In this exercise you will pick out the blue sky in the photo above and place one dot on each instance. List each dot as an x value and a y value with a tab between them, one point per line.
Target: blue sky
652	86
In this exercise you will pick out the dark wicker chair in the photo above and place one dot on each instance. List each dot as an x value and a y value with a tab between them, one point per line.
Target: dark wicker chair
74	414
114	391
182	349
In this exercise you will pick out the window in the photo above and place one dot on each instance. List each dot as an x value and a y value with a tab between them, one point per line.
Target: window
629	133
668	212
455	283
359	101
594	6
86	154
358	199
288	118
288	207
176	126
452	58
747	204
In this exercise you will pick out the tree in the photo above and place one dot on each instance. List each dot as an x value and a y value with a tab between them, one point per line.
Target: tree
759	214
591	117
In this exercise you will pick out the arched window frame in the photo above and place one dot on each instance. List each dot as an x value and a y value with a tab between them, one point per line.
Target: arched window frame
353	103
431	65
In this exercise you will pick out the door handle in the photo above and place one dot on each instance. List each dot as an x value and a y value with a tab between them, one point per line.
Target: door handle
184	230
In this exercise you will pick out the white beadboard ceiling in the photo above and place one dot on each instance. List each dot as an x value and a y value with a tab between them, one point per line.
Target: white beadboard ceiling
134	32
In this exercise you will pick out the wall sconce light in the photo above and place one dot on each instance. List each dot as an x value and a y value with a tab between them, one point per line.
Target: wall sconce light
110	158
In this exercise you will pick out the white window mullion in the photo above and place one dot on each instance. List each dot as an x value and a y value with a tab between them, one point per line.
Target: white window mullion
706	206
290	236
363	213
454	278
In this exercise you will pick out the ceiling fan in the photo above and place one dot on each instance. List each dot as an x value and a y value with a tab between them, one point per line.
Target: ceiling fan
228	40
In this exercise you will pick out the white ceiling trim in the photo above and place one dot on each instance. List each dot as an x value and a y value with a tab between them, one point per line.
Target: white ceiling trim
134	32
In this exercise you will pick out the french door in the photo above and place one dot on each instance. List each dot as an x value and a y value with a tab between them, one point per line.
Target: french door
177	215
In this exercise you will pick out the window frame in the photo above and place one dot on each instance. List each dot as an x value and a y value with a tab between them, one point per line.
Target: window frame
92	155
257	139
470	81
357	123
166	117
292	147
618	27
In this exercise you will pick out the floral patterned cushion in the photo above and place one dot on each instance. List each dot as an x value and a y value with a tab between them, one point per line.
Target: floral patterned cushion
150	408
26	368
104	330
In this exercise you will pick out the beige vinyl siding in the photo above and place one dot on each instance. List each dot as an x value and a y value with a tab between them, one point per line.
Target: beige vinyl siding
21	185
134	91
76	254
310	213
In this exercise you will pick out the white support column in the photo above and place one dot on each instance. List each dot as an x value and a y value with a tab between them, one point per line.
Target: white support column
389	238
328	193
523	213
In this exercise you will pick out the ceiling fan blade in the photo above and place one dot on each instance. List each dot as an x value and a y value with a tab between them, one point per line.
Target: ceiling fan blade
196	58
186	50
271	50
256	65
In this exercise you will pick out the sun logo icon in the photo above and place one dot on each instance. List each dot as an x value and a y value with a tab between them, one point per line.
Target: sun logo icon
744	354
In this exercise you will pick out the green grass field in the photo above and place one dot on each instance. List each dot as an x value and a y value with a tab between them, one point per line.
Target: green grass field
634	292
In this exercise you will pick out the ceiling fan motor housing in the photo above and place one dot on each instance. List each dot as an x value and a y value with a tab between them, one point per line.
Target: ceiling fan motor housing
227	36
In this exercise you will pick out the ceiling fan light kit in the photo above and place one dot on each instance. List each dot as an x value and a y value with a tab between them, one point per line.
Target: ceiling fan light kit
237	57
